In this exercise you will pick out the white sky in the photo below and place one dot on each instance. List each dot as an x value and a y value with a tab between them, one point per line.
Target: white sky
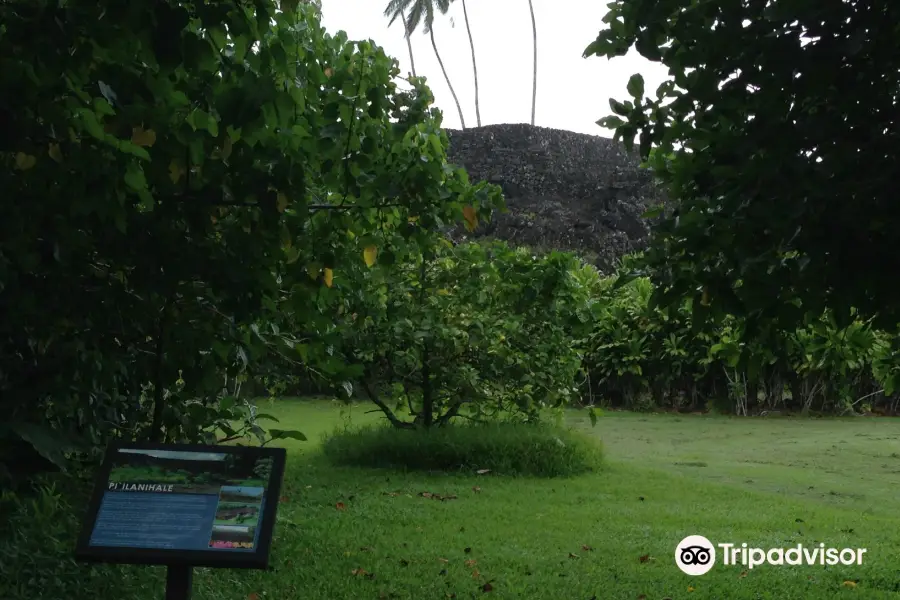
572	92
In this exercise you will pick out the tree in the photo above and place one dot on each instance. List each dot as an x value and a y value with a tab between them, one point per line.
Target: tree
422	11
534	62
406	32
177	209
479	330
776	138
474	66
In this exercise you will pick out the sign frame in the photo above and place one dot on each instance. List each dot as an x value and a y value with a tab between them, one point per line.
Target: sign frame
257	559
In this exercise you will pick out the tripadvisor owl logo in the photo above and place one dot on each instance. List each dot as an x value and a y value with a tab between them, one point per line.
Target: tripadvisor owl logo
695	555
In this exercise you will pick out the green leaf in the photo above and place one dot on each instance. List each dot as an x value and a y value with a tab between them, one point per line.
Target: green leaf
200	119
47	442
278	434
611	122
134	177
618	107
240	47
133	149
266	417
636	86
90	123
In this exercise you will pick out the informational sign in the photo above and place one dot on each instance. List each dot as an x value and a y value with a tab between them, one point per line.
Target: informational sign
182	504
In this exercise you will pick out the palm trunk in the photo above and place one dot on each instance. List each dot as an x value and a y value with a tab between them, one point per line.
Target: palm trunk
474	66
447	79
406	32
534	75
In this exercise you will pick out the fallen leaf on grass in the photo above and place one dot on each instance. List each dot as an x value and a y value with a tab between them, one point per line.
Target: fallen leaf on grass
586	548
742	575
340	506
644	558
437	496
363	573
471	562
849	584
443	560
253	596
690	588
476	489
476	574
487	587
573	555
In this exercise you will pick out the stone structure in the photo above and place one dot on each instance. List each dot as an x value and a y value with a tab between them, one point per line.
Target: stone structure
564	190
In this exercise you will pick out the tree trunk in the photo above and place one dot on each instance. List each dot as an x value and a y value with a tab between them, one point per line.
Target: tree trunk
474	66
406	32
534	67
462	121
427	391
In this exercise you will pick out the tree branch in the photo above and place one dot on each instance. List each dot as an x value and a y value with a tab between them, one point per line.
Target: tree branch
384	408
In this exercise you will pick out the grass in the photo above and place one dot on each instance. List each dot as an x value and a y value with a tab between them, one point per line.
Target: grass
346	533
500	448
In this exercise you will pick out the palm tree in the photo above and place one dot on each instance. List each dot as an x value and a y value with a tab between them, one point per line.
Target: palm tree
412	61
418	11
534	68
474	66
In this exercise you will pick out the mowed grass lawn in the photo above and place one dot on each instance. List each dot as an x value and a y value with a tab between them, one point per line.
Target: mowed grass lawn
356	533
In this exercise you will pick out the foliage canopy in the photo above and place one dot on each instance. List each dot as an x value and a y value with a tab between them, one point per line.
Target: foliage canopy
179	178
776	137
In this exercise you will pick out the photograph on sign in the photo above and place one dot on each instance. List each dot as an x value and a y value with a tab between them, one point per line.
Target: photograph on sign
185	501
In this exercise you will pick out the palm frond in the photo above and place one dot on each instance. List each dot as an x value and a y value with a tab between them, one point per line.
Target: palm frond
395	8
415	16
428	8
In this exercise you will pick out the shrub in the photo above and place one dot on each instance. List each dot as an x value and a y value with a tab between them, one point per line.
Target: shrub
37	542
505	448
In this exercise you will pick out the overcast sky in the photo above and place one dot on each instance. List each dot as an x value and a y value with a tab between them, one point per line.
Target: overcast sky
572	92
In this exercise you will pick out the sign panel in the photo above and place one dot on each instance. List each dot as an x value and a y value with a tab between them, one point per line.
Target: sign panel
184	504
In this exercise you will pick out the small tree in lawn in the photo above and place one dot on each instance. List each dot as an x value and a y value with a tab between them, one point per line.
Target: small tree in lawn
475	330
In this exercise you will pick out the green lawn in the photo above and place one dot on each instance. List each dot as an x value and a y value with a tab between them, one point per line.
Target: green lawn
766	482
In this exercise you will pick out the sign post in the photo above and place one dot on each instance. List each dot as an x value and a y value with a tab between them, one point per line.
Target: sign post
183	506
179	580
